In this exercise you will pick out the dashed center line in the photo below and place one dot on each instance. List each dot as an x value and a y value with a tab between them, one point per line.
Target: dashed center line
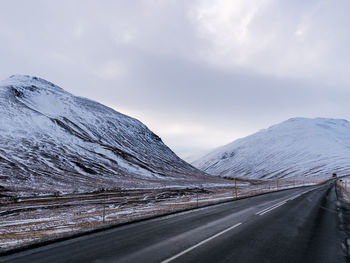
270	208
266	210
200	243
262	212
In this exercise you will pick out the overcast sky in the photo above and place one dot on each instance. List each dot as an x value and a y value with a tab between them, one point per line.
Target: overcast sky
200	74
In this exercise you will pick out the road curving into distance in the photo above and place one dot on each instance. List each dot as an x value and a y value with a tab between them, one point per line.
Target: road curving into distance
296	225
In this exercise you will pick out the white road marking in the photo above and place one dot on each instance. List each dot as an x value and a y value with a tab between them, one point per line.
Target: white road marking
271	208
200	243
264	211
294	197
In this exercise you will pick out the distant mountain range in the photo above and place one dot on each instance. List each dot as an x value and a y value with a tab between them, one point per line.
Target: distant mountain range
298	147
53	141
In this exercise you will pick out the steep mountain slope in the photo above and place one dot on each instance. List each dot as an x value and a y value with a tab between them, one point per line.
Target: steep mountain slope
53	141
296	147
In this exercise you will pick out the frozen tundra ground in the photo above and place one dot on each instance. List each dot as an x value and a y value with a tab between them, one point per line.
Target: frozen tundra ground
28	220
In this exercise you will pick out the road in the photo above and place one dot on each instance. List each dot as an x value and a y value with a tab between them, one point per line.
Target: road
297	225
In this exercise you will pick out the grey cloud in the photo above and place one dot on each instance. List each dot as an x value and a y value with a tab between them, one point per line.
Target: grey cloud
151	58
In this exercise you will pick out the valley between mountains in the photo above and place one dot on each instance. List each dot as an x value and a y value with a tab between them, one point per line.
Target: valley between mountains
71	166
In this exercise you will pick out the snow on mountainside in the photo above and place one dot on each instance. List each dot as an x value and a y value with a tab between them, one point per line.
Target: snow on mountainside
53	141
296	147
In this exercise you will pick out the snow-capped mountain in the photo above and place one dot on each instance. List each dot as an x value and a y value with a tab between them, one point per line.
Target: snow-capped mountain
296	147
53	141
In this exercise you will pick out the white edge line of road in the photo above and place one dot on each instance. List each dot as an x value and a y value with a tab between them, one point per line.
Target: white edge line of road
200	243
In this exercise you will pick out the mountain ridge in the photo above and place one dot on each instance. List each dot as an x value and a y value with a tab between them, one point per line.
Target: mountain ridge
51	140
297	147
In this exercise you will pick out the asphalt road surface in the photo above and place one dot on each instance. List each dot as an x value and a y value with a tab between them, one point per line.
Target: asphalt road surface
298	225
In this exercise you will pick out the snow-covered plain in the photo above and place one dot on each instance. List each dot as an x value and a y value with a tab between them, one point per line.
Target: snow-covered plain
52	141
296	148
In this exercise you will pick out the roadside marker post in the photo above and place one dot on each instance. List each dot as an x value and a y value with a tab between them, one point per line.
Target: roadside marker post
236	189
104	211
